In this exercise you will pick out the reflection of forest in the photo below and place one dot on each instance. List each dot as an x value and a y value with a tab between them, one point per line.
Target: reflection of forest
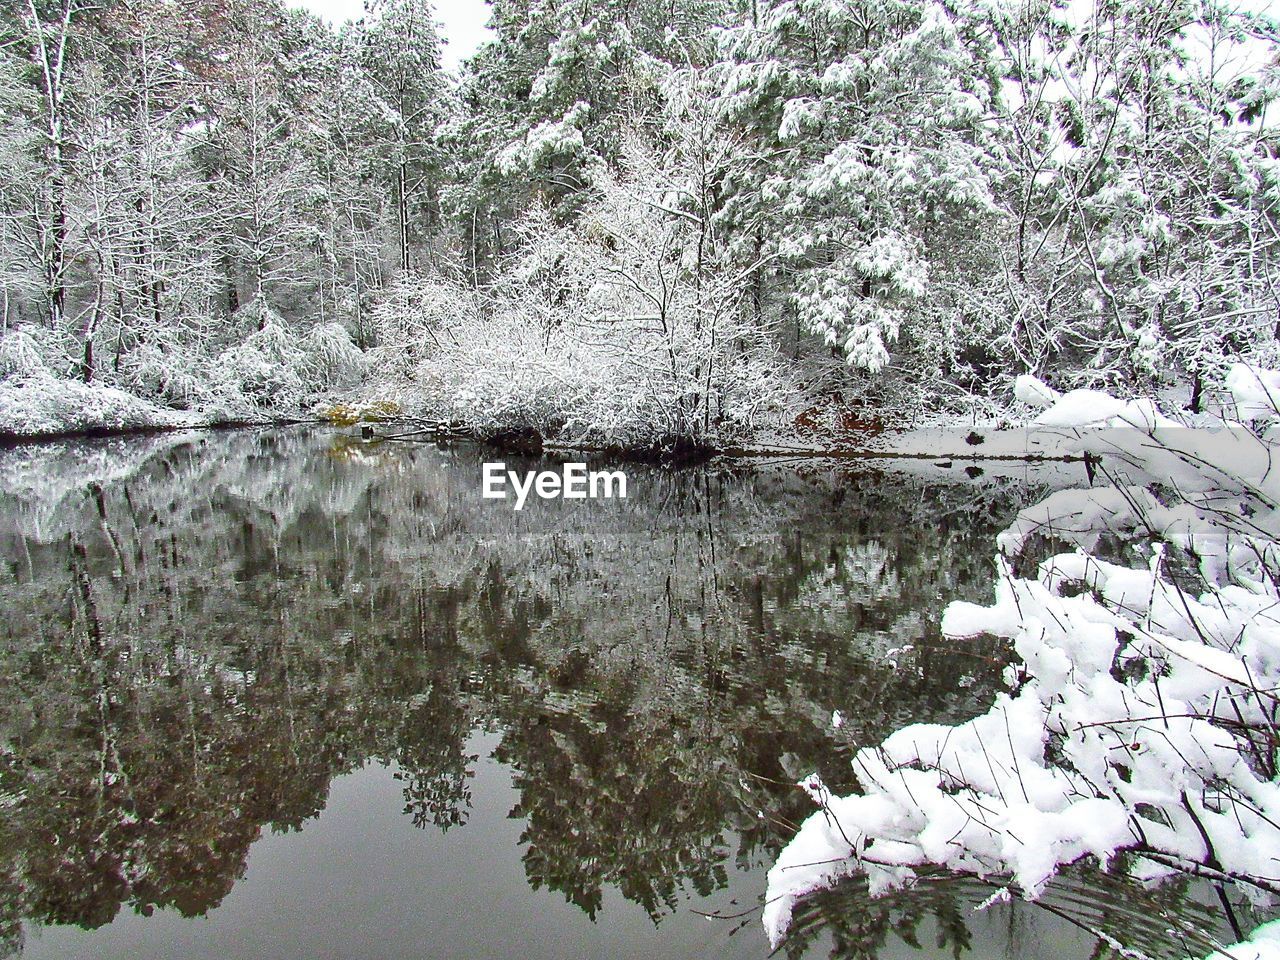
201	632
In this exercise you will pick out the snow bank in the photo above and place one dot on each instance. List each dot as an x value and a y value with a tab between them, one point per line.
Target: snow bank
1079	409
1139	712
40	404
1034	392
270	374
1262	944
1255	392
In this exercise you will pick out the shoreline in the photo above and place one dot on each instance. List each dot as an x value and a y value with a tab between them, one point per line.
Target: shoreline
888	444
9	439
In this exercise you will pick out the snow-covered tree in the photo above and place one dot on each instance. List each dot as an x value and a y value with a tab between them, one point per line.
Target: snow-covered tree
870	124
399	53
262	153
1144	239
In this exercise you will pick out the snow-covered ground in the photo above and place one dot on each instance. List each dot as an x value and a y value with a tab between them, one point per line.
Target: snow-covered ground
269	376
43	405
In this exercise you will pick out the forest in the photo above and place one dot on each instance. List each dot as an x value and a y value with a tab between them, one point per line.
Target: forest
647	229
635	223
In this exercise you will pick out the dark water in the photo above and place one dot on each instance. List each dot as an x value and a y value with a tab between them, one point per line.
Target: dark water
285	694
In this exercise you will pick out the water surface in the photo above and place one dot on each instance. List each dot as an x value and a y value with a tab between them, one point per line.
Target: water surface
282	693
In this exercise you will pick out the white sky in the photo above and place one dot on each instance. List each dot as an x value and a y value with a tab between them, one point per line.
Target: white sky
464	22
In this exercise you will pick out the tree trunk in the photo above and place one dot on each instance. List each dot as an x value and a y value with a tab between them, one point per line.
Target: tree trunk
402	216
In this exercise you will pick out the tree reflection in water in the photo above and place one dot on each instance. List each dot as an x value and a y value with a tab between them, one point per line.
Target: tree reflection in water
202	631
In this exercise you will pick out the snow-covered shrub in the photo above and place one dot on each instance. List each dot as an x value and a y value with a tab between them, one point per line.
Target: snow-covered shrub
272	372
275	370
263	371
1141	721
20	356
603	377
35	402
331	358
622	329
500	373
42	404
408	322
177	374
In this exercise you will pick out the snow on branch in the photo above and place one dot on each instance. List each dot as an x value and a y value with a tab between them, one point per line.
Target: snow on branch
1139	729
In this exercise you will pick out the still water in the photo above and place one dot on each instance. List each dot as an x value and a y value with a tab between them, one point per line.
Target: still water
283	693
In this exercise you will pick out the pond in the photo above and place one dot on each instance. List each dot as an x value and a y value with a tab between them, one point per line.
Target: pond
285	693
